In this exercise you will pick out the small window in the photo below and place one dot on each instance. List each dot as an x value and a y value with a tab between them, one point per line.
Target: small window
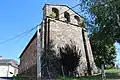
67	16
56	11
11	72
77	19
79	22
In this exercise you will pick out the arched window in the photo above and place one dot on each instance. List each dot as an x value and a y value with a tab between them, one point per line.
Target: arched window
67	16
56	11
77	19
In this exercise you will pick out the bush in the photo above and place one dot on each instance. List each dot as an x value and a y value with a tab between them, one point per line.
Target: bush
53	15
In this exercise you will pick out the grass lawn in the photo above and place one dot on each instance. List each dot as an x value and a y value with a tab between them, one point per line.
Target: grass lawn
111	74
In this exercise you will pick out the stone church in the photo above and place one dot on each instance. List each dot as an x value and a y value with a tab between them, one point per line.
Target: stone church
62	25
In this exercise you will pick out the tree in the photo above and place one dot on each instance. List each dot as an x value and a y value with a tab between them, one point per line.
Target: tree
103	23
70	57
103	16
102	51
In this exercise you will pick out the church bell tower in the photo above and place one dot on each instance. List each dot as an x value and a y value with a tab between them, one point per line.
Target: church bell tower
61	25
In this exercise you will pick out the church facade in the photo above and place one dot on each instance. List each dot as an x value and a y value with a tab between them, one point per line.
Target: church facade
61	25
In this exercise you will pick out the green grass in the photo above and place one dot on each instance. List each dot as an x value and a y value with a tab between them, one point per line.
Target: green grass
112	71
111	74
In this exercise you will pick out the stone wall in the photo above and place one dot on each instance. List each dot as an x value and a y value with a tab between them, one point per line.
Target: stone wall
29	57
90	55
29	74
63	33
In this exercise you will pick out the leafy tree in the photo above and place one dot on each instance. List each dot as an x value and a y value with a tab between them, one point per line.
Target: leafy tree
70	57
108	18
102	51
103	16
103	23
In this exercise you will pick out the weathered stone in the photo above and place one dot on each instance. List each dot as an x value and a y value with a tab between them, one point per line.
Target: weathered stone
28	58
61	33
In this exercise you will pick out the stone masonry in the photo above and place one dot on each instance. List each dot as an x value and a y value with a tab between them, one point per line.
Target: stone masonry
63	32
28	59
65	27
